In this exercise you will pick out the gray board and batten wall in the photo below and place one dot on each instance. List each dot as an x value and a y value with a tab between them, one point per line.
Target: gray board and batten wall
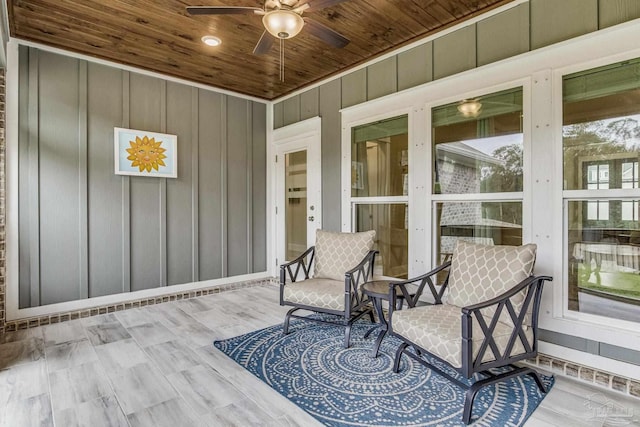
86	232
520	29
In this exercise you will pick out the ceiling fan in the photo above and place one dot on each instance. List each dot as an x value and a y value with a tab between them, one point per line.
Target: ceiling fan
282	20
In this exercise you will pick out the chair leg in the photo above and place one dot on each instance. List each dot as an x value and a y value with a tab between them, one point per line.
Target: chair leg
538	380
287	318
347	335
475	387
396	362
470	395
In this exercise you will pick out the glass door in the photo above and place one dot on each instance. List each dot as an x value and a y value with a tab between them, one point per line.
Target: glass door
298	189
295	204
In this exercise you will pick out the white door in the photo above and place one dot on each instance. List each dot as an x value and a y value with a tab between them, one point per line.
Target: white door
298	188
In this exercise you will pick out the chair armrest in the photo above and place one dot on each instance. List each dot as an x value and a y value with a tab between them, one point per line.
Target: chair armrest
294	267
370	257
361	272
424	279
529	281
531	304
353	278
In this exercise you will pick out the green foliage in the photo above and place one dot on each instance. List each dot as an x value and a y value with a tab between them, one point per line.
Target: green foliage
601	137
507	175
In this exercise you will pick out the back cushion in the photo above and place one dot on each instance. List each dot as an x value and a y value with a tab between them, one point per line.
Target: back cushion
480	273
338	252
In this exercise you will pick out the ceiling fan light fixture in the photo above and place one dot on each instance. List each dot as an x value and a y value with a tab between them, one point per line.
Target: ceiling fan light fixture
283	24
470	108
211	41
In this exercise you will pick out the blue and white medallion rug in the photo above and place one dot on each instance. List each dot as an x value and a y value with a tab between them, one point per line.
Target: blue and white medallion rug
346	387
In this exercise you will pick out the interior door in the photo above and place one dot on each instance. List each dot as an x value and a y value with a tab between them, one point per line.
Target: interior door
298	191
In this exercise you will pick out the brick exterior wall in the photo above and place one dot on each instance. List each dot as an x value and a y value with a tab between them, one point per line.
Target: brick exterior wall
2	203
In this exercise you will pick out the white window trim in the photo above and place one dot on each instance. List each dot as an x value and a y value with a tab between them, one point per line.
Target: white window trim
349	121
600	194
357	117
602	328
479	197
543	189
520	196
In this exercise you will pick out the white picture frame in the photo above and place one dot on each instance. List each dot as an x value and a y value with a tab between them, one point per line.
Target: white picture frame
144	153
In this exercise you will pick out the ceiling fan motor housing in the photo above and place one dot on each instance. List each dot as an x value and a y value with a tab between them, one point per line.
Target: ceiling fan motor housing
282	23
282	20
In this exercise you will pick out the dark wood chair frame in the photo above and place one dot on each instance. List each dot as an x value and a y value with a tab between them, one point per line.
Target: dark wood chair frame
356	305
470	365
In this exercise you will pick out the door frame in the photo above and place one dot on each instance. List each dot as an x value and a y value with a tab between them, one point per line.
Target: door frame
307	135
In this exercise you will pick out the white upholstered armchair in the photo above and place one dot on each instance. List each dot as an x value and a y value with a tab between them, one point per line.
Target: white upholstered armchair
326	278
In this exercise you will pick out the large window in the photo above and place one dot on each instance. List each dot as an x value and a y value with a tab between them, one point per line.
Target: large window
601	145
477	151
380	189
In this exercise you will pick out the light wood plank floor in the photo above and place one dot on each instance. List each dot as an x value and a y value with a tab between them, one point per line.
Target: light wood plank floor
156	366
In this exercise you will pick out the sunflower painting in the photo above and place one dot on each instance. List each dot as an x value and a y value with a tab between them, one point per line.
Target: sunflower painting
144	153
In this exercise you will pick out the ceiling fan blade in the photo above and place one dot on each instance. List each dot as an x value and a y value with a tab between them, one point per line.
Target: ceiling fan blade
264	44
313	5
325	33
222	10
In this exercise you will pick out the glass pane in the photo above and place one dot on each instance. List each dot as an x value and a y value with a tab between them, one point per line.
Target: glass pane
629	210
592	210
295	170
630	175
601	127
390	221
478	144
379	158
487	223
604	260
603	211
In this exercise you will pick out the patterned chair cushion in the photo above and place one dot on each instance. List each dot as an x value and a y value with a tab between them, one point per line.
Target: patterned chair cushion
480	273
321	293
438	329
336	253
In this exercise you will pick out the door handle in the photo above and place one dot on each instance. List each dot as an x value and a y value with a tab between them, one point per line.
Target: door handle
311	218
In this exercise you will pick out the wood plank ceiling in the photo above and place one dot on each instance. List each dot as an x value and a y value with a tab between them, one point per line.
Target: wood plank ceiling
159	35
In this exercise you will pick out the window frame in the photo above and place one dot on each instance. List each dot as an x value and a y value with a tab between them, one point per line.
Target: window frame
349	208
561	293
523	196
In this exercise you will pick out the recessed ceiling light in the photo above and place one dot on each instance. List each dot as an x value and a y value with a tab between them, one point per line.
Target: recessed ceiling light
211	41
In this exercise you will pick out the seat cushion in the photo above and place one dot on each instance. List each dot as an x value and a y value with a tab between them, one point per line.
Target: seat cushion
481	272
321	293
438	329
336	253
